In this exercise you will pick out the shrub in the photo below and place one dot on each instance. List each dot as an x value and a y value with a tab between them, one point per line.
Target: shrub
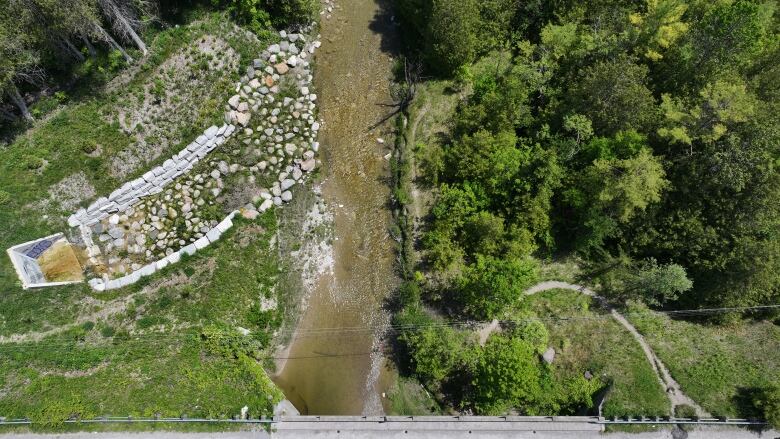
286	13
4	197
60	96
409	293
32	163
436	352
89	147
534	332
115	60
768	401
491	284
684	411
54	414
107	331
507	375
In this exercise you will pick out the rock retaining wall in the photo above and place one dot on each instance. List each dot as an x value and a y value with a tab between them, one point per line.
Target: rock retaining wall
153	181
150	222
147	270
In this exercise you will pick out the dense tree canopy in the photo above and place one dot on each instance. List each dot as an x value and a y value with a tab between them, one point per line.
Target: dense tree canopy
642	136
620	128
40	38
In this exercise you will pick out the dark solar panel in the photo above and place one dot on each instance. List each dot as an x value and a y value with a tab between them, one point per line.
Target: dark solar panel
38	249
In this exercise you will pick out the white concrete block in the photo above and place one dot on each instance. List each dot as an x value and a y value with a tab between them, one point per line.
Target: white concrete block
201	243
188	250
212	235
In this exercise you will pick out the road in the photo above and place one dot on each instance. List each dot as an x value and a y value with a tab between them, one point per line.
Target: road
421	430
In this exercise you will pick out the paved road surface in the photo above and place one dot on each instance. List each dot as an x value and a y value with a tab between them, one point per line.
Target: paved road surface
443	430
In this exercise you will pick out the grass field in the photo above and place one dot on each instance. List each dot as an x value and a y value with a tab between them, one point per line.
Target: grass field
148	356
170	344
586	338
720	367
408	398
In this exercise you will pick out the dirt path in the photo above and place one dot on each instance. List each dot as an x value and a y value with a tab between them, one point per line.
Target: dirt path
337	372
108	309
673	390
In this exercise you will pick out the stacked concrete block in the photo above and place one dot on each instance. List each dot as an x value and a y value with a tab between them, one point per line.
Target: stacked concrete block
155	180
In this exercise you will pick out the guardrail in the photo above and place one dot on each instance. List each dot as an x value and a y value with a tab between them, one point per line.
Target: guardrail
391	419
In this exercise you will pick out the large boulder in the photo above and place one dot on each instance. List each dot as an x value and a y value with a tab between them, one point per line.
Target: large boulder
308	165
282	68
242	118
234	101
549	355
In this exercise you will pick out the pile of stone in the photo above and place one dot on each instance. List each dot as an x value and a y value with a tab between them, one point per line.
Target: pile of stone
276	88
150	227
327	9
154	181
151	221
173	257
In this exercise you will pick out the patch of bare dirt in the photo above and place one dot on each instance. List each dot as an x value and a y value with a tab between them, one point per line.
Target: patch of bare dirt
185	88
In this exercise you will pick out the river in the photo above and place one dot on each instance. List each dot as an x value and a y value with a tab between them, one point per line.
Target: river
335	370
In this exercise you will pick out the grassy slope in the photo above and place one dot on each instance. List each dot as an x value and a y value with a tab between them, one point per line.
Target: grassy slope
408	398
139	351
149	358
59	142
718	366
591	340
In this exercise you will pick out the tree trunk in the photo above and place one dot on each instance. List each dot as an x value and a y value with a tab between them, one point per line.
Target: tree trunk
72	49
116	15
90	47
111	41
13	93
129	29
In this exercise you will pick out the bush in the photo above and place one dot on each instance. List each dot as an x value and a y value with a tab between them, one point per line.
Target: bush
409	293
491	284
32	163
507	376
107	331
4	197
54	414
684	411
534	332
768	401
285	13
115	60
89	147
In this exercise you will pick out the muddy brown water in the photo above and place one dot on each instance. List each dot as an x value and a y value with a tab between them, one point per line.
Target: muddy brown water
334	363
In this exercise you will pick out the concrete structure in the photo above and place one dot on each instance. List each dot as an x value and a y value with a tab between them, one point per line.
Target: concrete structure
153	181
430	427
25	259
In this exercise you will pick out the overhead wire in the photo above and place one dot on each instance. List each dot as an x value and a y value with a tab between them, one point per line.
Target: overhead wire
70	342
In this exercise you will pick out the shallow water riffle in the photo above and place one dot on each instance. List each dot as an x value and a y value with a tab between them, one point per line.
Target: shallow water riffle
335	357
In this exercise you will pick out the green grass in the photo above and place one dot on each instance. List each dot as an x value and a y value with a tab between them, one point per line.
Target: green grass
586	338
141	352
408	398
153	360
718	366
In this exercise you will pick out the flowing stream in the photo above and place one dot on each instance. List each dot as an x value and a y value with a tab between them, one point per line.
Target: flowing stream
334	363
